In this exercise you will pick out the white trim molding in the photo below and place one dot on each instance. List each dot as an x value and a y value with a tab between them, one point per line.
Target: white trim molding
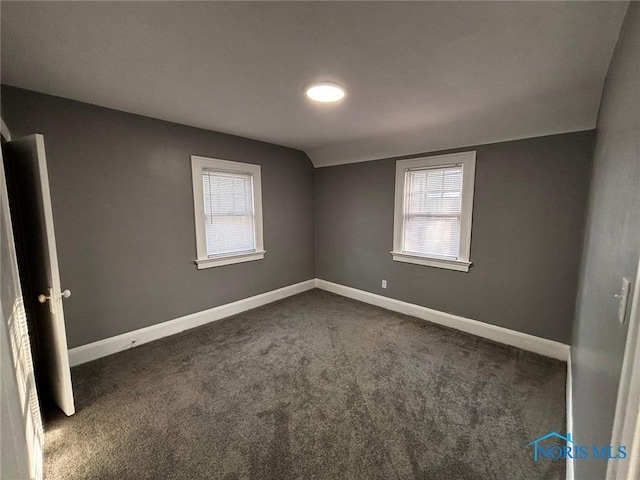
248	171
108	346
524	341
221	260
569	400
404	169
4	131
626	423
449	264
125	341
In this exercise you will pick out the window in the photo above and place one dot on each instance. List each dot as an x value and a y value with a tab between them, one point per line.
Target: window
433	208
227	198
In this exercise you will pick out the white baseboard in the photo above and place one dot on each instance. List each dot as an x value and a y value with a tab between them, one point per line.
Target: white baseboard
531	343
569	394
108	346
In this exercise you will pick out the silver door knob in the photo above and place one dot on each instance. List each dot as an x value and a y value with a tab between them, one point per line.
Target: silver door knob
43	298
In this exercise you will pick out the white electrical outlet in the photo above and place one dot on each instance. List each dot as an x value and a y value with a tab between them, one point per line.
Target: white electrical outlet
623	298
384	284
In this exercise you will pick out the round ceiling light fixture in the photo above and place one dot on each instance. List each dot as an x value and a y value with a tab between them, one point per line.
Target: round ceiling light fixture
325	92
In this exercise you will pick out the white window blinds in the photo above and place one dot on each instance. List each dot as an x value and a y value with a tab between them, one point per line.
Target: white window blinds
229	212
432	211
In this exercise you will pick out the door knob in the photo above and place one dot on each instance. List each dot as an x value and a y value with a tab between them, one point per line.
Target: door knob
43	298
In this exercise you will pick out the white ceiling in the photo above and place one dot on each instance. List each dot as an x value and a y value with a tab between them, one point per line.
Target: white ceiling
420	76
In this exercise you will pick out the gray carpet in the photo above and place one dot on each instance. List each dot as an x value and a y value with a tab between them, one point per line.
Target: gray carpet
315	386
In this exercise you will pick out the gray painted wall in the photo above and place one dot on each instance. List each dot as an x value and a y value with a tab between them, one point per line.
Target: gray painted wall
123	209
612	247
529	205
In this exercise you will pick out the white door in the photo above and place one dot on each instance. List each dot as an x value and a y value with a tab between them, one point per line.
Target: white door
32	215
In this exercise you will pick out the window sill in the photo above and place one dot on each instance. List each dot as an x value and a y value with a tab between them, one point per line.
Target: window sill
458	265
230	259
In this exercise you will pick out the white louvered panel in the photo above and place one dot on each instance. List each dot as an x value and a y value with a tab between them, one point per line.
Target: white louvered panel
21	348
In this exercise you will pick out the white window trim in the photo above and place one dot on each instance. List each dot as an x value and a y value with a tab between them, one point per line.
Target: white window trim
198	164
468	161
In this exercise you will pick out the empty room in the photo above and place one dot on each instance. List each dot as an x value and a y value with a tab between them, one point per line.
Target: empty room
320	240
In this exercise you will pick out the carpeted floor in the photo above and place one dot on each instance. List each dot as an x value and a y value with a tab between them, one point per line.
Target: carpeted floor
315	386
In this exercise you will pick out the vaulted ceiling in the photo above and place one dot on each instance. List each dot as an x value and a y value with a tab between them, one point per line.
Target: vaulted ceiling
420	76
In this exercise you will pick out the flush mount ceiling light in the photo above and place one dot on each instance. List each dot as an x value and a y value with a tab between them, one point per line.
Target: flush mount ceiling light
325	92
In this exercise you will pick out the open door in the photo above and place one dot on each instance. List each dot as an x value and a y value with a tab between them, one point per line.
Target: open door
32	216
